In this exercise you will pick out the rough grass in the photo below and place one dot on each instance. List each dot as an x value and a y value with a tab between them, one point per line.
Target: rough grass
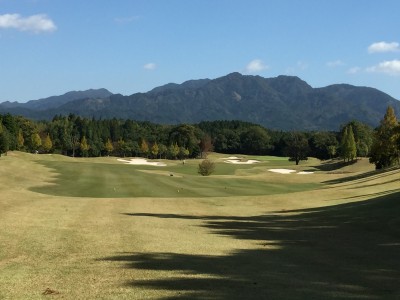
340	240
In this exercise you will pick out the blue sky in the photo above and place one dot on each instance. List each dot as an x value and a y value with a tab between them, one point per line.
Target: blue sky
49	47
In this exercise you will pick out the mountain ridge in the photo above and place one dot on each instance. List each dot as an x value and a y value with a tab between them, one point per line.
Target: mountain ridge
282	102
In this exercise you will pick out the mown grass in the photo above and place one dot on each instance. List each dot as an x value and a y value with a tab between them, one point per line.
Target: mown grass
340	240
100	180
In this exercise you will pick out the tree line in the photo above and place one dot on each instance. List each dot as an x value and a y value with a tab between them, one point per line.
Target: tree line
84	137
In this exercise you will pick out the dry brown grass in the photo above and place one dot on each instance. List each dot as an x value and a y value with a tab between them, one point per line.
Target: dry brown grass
279	246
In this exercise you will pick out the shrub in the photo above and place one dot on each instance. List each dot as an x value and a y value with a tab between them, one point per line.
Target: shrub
206	167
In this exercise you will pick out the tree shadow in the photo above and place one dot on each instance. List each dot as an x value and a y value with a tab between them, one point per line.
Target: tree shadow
364	177
333	165
349	251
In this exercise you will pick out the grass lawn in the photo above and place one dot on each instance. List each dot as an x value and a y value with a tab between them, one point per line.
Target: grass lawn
100	229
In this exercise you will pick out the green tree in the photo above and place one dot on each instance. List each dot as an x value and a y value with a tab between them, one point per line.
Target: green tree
144	148
123	147
173	151
297	147
323	144
363	136
36	142
154	150
4	140
108	146
385	151
20	140
183	153
84	147
255	140
186	136
348	144
162	150
47	144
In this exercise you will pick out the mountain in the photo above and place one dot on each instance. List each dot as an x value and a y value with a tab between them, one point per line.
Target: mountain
56	101
283	102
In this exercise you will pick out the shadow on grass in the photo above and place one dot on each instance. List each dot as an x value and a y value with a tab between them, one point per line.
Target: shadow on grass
366	176
349	251
332	165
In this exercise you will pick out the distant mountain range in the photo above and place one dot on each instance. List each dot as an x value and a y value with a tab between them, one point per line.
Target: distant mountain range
283	102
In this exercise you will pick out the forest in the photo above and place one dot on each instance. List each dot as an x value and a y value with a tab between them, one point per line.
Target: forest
77	136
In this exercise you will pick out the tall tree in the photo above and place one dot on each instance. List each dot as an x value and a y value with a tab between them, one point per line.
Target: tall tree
144	148
108	146
348	144
154	150
36	142
173	151
84	147
4	140
20	140
385	151
47	144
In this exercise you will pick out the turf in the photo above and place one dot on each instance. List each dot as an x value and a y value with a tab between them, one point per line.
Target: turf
337	240
99	180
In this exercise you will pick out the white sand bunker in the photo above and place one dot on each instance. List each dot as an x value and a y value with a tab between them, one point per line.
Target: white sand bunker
282	171
238	161
288	171
142	161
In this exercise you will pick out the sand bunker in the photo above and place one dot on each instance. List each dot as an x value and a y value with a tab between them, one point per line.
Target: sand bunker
282	171
288	171
238	161
142	162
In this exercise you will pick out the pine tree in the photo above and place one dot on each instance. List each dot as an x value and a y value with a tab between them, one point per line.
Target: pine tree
385	151
47	144
36	141
4	140
154	150
351	144
84	146
108	146
20	140
348	144
144	148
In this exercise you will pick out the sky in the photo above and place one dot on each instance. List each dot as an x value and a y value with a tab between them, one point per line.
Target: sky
50	47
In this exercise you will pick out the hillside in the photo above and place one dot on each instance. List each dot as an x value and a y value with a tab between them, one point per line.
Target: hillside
283	102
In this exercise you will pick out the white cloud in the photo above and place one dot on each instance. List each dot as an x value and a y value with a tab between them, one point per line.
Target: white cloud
255	66
335	63
391	67
384	47
150	66
354	70
34	23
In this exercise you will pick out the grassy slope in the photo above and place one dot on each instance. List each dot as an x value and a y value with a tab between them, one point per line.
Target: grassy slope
302	245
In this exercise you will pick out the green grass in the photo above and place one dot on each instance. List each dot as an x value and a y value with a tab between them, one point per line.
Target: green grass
100	180
336	237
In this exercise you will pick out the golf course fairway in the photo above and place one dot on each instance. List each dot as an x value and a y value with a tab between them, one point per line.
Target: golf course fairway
99	228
